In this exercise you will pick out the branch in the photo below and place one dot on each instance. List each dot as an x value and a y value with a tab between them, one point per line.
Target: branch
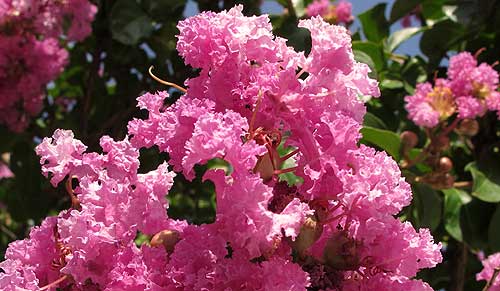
458	264
7	231
492	279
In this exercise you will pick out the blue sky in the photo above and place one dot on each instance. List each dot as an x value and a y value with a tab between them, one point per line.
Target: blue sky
410	47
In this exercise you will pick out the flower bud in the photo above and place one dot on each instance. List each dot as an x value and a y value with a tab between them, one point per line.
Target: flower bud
445	165
310	232
409	140
167	238
468	127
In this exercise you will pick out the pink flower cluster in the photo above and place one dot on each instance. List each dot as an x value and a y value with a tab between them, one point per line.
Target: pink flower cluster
470	91
30	53
333	13
336	230
490	264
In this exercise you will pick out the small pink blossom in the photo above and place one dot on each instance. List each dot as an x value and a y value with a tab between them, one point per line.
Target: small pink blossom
5	171
431	105
318	8
476	86
343	11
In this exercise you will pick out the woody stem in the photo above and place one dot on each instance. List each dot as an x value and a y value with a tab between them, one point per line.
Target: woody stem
55	283
254	114
165	82
492	279
289	155
283	171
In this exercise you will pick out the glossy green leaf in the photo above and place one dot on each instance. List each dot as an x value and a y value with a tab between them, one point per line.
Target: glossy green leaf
164	10
129	22
485	186
454	200
414	72
375	25
286	26
384	139
391	84
373	50
300	7
465	13
400	36
474	220
371	120
402	7
432	11
427	206
365	58
442	37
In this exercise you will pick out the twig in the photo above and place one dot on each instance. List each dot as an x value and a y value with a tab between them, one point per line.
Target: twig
462	184
492	279
451	127
458	264
7	231
75	202
55	283
150	71
291	9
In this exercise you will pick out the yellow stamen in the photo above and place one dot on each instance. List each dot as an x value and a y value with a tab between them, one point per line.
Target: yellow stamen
480	91
441	100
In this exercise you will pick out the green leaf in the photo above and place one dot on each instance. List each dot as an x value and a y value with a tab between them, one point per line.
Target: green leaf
374	23
129	22
164	10
289	177
391	84
401	8
26	200
441	38
454	199
384	139
400	36
421	167
373	50
432	11
371	120
485	186
364	58
300	7
427	206
298	37
414	72
493	233
474	218
465	13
